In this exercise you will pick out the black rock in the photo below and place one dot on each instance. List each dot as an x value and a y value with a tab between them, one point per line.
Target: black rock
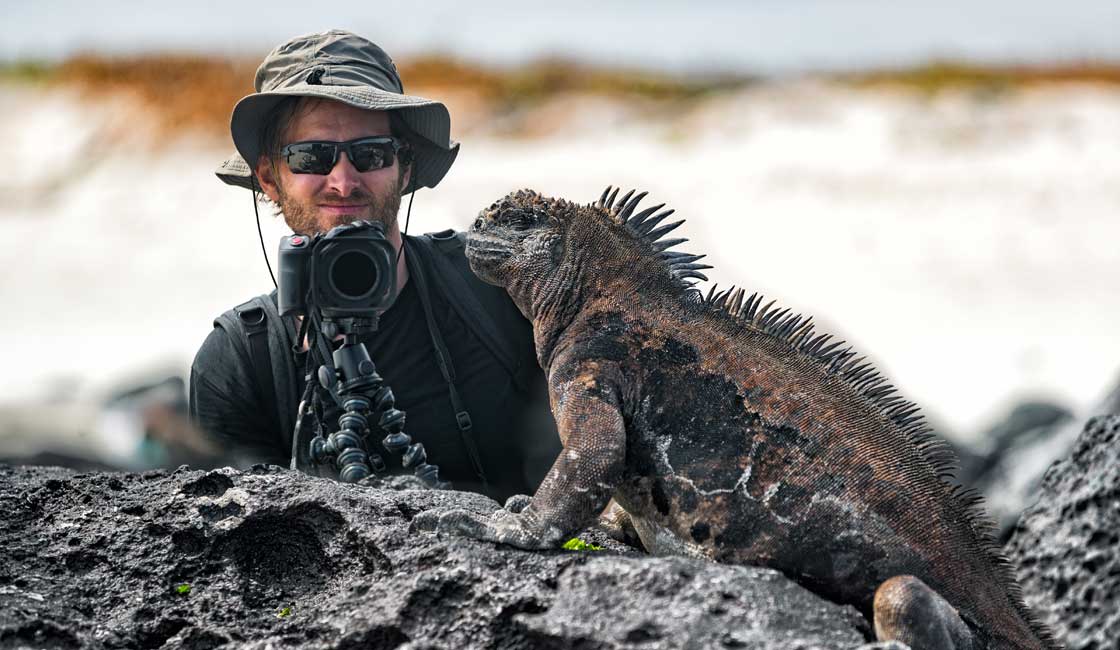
1110	404
1026	424
272	558
1018	449
1067	545
1008	466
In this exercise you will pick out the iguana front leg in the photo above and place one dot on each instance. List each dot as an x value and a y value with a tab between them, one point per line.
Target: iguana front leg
578	486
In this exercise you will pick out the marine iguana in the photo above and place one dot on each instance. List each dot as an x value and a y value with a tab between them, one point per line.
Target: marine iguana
732	430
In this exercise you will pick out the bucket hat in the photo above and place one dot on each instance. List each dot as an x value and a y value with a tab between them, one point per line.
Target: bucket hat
345	67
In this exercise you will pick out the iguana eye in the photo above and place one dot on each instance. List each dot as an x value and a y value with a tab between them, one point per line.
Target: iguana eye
518	219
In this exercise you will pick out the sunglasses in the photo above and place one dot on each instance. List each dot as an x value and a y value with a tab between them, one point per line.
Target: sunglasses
366	154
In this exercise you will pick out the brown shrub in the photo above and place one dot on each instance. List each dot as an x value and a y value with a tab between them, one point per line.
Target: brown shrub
183	94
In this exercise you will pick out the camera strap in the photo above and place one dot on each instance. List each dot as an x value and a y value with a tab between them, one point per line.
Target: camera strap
447	369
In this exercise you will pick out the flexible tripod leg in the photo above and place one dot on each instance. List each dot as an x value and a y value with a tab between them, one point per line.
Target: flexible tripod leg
358	389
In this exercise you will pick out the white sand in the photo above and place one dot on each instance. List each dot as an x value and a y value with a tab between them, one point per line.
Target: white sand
970	246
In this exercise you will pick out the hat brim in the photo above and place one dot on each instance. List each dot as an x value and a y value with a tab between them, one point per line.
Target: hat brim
433	150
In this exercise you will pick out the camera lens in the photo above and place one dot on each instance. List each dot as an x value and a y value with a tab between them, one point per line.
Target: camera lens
353	274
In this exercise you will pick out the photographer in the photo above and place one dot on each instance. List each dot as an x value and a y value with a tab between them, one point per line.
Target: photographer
332	139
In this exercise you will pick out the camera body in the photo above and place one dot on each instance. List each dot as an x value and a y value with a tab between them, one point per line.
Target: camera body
349	272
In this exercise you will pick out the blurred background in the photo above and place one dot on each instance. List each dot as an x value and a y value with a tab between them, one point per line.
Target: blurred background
938	183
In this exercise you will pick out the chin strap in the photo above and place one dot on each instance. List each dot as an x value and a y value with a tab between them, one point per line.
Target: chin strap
407	218
261	235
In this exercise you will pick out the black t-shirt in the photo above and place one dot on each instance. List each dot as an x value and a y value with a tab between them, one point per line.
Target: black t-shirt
512	427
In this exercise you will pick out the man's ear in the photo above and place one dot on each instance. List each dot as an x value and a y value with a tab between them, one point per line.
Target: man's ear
407	175
267	178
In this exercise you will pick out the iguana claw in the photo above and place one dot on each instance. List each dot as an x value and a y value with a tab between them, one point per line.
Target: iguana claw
518	502
502	526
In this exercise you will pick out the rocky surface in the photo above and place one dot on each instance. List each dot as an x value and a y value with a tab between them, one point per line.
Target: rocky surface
1008	469
270	558
1025	423
1068	544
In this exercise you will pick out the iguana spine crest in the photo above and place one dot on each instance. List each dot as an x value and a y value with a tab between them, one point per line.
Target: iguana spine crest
838	360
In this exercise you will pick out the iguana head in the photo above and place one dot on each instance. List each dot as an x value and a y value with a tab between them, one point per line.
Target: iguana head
517	236
550	252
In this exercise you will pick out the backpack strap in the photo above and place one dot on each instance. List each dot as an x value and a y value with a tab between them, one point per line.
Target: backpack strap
254	319
265	339
281	341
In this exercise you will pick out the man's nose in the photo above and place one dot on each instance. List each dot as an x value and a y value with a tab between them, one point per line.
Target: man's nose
344	177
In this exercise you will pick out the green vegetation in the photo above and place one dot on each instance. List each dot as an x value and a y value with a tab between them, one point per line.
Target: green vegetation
950	75
577	544
183	589
26	71
284	612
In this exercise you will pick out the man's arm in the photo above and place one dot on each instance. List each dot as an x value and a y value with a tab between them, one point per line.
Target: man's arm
225	403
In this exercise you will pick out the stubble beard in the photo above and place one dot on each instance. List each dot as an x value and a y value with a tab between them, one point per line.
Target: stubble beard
303	218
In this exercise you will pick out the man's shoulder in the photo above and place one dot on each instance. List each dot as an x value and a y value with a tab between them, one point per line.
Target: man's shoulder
232	327
449	242
218	350
443	254
247	313
448	235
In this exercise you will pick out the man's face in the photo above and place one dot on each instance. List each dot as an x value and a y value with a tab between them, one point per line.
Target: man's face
314	204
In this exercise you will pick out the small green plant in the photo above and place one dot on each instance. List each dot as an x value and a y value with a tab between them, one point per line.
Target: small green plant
284	612
183	589
577	544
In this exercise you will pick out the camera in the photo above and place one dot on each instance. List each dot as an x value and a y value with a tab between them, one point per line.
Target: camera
349	272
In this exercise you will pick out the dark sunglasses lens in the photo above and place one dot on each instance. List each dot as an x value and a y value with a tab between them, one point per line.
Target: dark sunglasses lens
367	156
311	158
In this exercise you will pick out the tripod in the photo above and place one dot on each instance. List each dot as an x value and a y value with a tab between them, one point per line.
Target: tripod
360	392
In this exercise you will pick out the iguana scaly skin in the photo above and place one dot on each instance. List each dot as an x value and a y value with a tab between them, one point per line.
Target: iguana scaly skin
730	430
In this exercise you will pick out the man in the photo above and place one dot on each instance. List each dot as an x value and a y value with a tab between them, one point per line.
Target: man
333	139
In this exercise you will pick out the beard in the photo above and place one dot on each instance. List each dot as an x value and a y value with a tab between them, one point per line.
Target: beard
303	217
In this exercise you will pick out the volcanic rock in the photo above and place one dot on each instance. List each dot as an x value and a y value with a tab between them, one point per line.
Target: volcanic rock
270	558
1067	545
1018	450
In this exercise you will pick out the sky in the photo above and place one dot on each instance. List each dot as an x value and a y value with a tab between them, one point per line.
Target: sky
769	37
